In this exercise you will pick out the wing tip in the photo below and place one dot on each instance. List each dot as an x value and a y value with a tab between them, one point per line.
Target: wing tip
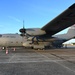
72	6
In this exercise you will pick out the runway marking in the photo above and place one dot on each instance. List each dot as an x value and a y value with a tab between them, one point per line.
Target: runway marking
62	58
56	61
11	58
30	61
65	67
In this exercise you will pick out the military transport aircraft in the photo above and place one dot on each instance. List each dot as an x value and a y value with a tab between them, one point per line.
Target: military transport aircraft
15	40
62	21
44	35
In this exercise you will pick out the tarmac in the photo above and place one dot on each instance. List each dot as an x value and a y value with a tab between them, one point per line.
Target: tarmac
37	62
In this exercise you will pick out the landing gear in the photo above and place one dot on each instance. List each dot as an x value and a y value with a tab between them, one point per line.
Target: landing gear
35	40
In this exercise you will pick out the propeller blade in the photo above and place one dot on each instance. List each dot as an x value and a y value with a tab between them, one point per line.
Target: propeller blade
23	30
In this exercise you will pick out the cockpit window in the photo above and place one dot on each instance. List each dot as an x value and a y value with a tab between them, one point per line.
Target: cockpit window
0	35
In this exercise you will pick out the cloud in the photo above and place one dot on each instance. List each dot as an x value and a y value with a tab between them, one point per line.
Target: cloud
14	18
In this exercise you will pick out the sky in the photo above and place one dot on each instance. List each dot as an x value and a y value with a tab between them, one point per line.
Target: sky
35	13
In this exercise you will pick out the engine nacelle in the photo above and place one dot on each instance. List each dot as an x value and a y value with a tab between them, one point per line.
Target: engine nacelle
22	30
28	44
22	34
36	32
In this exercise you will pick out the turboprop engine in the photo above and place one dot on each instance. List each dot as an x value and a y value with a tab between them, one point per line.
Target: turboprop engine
35	32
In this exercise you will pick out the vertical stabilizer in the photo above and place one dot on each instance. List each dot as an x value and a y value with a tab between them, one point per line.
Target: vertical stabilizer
71	32
69	35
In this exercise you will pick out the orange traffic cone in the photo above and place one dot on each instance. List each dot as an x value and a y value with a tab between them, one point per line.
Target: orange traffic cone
6	51
14	49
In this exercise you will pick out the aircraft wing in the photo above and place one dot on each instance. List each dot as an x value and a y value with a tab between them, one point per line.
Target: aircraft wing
64	20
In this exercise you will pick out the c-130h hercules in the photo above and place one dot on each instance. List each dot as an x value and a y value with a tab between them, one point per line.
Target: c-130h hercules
46	34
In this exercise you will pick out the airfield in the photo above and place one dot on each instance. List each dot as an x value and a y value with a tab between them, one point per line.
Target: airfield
37	62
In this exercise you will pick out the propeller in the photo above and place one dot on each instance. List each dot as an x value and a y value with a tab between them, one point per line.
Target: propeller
23	30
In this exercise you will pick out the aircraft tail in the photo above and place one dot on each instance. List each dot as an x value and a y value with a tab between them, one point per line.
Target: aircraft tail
69	35
71	32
